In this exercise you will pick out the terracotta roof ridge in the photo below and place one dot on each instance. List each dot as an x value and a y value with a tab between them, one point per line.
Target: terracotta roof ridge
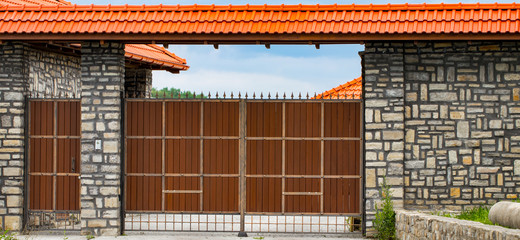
265	7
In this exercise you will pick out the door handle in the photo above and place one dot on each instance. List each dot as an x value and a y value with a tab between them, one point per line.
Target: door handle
73	164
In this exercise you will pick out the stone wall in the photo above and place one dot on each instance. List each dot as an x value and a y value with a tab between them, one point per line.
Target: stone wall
384	122
102	77
443	120
415	225
53	74
462	124
13	86
24	71
138	82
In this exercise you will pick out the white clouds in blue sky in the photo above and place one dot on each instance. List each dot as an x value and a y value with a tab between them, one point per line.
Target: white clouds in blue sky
294	68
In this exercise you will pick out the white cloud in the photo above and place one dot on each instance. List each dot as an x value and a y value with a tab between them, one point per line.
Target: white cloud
242	69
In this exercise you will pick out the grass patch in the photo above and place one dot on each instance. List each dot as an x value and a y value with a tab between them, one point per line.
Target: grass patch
478	214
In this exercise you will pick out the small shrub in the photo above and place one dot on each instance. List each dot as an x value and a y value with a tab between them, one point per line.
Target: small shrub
7	236
384	222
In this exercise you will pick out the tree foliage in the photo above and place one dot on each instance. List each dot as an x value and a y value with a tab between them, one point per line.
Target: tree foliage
173	92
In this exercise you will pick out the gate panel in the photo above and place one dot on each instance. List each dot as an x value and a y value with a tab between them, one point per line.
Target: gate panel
297	163
54	164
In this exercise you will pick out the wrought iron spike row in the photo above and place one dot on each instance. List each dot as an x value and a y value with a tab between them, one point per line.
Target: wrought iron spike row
307	95
276	95
231	94
246	95
292	95
269	95
254	95
284	95
239	95
261	95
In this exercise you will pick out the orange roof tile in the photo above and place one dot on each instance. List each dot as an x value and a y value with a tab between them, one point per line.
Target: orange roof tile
349	90
151	54
34	2
348	20
156	56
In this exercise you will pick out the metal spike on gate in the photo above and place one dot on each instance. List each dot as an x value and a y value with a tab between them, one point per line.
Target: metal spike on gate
254	95
246	95
307	95
269	95
346	96
201	95
209	94
231	94
216	95
261	95
300	95
224	95
187	94
239	95
276	95
337	96
292	95
314	95
321	96
284	95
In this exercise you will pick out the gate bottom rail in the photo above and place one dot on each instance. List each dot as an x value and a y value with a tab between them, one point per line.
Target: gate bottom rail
230	222
54	220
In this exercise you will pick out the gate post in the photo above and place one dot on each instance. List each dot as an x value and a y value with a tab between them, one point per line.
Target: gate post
242	165
102	77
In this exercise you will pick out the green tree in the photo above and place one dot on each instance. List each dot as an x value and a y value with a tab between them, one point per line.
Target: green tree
174	93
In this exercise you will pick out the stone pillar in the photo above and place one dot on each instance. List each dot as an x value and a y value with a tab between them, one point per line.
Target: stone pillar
13	85
102	77
138	82
383	74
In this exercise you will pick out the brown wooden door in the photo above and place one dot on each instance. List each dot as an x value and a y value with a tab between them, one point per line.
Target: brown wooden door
54	155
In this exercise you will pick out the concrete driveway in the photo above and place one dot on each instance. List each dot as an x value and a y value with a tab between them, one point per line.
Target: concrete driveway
193	236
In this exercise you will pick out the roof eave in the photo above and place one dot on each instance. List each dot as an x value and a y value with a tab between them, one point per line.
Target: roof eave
253	38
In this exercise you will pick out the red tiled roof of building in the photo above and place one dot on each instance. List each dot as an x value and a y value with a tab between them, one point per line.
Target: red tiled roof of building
157	57
391	19
34	2
349	90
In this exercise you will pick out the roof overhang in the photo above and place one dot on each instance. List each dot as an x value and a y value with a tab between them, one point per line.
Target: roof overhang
293	38
261	24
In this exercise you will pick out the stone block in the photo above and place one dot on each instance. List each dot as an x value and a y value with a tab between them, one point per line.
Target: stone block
495	124
517	168
457	115
392	135
455	192
512	76
443	96
110	147
462	129
12	172
467	160
453	157
98	223
13	223
371	178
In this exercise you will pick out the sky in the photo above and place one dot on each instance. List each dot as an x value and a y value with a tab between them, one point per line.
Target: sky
248	68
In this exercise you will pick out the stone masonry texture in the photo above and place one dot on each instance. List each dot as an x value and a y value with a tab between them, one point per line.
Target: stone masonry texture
138	82
442	119
415	225
102	78
25	71
384	126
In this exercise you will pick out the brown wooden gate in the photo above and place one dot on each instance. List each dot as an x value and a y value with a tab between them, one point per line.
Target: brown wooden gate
54	164
239	164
